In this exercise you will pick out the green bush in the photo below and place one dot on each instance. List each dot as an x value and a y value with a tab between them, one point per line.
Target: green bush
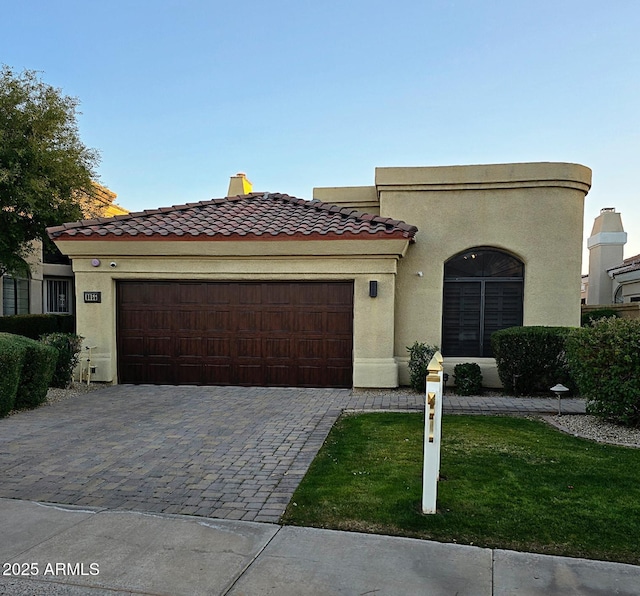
68	346
11	358
420	355
34	326
605	362
532	359
468	378
595	315
38	366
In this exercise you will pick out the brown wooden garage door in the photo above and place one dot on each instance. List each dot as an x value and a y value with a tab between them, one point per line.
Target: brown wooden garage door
257	334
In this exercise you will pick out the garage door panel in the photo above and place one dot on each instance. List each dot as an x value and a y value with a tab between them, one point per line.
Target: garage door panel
188	373
134	320
134	346
310	322
217	374
277	321
218	347
161	319
249	374
189	346
190	320
158	346
336	320
249	293
248	321
160	373
249	347
310	348
276	293
311	294
336	348
278	375
339	293
236	333
189	293
217	321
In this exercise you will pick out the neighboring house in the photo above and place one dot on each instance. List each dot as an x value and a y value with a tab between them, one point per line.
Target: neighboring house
611	279
267	289
626	276
49	286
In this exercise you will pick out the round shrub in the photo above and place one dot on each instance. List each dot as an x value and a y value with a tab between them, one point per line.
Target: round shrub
468	378
531	359
68	346
420	355
605	363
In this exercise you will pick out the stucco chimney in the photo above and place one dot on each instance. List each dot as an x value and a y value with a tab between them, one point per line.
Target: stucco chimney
239	185
606	249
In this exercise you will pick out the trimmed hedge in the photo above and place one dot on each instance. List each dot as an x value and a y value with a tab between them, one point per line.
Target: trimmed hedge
37	364
34	326
532	359
605	361
68	346
468	378
37	371
420	355
11	357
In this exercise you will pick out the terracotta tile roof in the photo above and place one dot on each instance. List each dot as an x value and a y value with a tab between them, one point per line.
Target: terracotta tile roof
257	216
630	264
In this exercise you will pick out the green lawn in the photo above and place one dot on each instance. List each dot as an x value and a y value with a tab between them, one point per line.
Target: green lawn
506	482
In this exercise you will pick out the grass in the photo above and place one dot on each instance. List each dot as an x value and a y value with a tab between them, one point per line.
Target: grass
507	482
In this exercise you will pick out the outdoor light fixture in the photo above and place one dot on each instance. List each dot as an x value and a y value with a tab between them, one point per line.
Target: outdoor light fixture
559	390
373	289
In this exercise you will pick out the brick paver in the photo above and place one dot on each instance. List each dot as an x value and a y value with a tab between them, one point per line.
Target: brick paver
225	452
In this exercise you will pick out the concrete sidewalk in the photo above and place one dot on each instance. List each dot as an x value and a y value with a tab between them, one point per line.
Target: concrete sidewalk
54	549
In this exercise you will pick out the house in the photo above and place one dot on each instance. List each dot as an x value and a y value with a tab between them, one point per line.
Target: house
268	289
626	276
612	280
49	286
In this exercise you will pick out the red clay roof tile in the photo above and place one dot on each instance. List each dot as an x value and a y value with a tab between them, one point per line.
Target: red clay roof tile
254	216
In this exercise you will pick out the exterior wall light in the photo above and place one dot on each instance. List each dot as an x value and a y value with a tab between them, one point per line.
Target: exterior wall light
373	289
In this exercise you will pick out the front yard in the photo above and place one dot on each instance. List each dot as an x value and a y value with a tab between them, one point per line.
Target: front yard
507	482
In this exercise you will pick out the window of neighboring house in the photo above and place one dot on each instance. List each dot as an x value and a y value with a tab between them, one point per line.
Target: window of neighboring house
617	298
483	292
15	296
634	299
58	295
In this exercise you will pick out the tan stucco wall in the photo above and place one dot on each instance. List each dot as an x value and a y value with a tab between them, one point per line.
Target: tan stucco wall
534	211
374	363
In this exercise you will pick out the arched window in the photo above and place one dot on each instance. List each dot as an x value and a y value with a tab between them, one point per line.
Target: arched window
483	289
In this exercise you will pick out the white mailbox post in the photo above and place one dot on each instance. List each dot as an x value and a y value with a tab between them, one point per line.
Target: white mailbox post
432	433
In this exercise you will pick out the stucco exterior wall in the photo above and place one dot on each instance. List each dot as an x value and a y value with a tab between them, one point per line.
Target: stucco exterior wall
374	363
534	211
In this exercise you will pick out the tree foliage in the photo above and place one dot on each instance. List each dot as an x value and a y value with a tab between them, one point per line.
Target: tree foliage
43	163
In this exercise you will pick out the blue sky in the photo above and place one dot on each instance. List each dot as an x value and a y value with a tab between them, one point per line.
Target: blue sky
179	95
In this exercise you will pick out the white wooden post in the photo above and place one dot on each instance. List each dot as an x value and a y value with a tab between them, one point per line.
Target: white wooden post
432	434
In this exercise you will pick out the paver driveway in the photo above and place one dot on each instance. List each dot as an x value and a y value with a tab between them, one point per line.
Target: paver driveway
226	452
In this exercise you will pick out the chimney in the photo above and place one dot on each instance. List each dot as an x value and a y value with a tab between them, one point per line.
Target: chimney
606	248
239	185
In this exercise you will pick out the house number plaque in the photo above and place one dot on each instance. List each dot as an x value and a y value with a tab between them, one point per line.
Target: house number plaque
93	296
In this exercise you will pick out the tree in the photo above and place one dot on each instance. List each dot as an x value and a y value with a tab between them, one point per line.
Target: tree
44	166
